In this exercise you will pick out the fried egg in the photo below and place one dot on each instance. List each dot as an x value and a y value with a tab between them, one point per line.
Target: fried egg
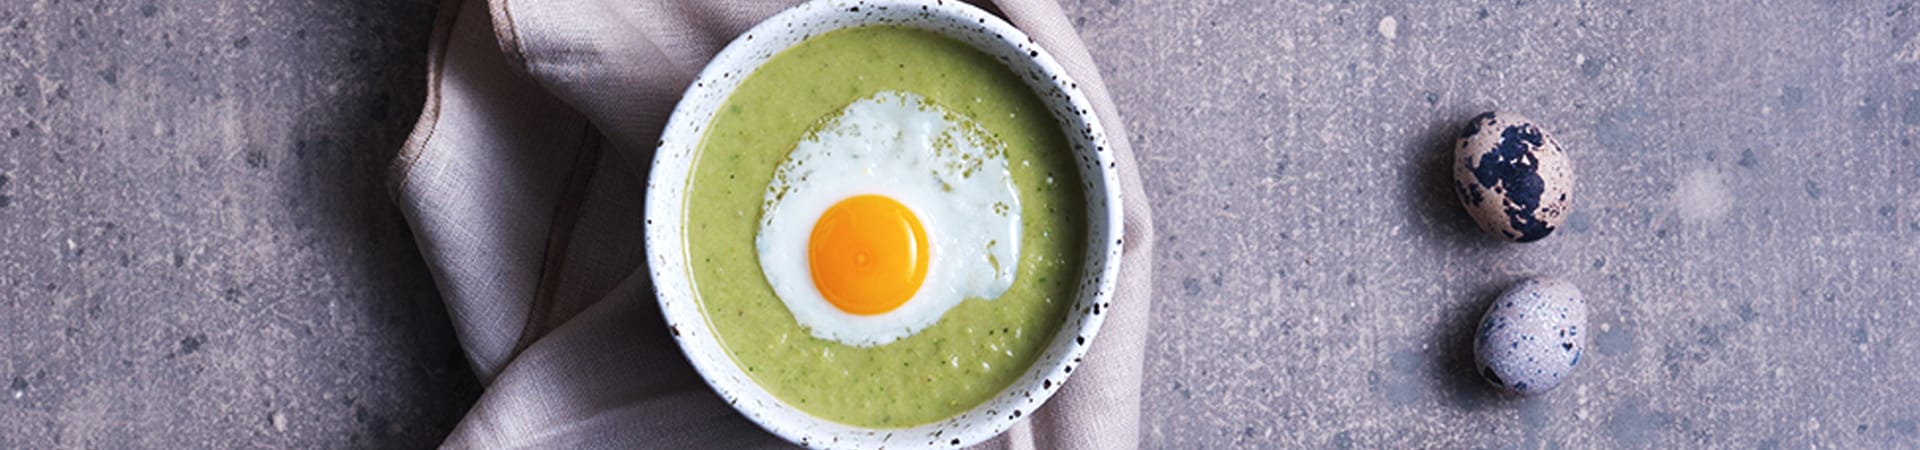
885	217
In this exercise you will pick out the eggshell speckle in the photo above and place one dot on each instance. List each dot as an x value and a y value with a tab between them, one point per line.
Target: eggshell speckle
1512	177
1532	337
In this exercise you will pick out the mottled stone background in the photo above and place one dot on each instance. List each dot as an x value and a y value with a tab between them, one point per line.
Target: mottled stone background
196	244
196	248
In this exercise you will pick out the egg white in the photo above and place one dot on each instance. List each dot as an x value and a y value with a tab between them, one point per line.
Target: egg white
942	166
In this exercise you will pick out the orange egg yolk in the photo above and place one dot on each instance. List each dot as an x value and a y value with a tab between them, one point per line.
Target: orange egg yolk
868	254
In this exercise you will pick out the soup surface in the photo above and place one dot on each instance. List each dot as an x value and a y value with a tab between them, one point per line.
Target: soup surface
976	348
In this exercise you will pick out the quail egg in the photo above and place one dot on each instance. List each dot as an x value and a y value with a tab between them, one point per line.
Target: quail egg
1512	177
1532	337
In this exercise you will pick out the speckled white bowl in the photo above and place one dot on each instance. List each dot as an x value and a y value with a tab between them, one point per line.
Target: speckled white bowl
667	205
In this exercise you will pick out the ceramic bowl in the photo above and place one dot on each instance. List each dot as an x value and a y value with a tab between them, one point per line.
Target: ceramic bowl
666	206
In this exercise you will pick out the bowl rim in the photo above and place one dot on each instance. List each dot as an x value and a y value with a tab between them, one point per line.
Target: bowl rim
678	150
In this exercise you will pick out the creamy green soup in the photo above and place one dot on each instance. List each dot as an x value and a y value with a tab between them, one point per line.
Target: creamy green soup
978	347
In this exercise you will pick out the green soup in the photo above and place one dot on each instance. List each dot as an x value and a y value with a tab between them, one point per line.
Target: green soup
978	347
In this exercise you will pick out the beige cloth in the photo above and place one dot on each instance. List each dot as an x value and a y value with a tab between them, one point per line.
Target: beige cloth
523	183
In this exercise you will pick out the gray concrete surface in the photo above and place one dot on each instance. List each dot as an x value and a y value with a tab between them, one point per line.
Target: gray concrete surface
197	249
1746	227
196	245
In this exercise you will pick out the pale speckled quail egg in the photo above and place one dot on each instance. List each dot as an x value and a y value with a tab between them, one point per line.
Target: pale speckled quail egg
887	216
1532	337
1512	176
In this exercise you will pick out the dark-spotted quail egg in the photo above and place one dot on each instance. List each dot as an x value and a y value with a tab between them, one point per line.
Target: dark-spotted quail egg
1512	176
1532	337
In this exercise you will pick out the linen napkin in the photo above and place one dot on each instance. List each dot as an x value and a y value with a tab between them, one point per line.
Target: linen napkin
523	183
